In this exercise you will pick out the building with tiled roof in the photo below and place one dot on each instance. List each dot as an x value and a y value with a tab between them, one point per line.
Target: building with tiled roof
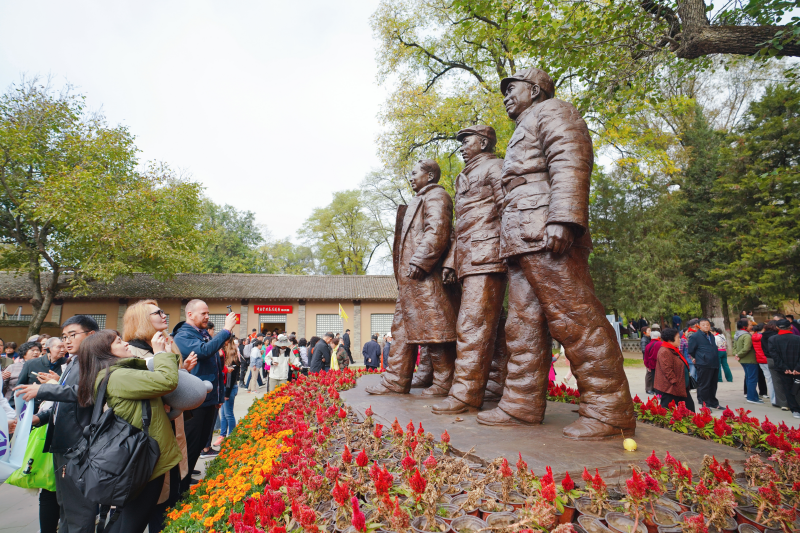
307	305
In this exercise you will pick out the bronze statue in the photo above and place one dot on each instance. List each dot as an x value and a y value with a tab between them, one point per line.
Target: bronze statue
424	313
545	240
474	260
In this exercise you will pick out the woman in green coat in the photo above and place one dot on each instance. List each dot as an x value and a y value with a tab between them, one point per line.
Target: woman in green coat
130	383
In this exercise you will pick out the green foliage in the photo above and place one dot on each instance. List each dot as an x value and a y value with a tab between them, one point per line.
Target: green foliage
74	204
229	239
758	201
285	257
342	235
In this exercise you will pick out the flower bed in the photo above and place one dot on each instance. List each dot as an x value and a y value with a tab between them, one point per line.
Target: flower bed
300	461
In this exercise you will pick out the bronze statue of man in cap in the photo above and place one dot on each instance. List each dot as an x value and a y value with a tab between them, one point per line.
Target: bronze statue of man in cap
424	313
545	241
474	260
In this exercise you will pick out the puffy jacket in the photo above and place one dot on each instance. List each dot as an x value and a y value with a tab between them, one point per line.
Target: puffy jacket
131	382
760	357
743	348
651	353
209	364
703	348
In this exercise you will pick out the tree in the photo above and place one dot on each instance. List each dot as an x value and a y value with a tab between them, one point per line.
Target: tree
74	207
758	201
228	239
284	257
342	236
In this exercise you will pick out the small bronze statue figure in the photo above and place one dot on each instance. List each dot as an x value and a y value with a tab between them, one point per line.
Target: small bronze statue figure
545	240
474	260
424	313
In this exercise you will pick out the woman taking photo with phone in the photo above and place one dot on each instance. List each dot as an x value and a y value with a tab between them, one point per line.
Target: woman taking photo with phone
129	383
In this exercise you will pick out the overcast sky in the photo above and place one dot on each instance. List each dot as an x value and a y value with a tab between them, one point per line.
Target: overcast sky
270	105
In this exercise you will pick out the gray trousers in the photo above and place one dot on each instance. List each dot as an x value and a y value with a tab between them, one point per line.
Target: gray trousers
78	512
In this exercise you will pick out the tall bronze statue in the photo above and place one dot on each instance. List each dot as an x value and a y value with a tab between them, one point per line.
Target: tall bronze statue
424	313
545	240
474	260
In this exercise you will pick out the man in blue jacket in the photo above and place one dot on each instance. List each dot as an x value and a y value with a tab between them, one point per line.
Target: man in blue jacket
703	349
193	337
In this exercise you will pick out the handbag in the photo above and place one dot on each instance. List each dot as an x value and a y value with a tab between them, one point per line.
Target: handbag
114	460
37	471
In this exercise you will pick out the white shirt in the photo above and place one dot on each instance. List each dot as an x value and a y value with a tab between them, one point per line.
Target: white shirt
279	366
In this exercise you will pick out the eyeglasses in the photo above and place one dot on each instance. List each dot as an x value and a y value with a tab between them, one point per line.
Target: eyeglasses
65	338
159	312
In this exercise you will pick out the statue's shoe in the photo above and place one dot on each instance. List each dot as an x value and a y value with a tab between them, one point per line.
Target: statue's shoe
586	428
436	391
490	396
451	406
420	383
498	417
380	389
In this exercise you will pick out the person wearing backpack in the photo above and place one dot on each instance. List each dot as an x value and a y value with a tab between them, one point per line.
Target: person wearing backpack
131	382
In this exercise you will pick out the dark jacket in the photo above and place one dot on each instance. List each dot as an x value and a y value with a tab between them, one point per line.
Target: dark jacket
643	342
672	373
765	337
342	357
386	347
320	357
785	348
72	418
372	354
703	348
209	363
40	364
346	341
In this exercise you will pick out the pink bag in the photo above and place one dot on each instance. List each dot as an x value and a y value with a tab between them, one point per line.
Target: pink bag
552	375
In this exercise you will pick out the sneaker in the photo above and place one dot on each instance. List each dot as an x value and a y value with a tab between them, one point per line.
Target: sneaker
719	408
784	408
207	454
194	481
755	401
796	415
195	472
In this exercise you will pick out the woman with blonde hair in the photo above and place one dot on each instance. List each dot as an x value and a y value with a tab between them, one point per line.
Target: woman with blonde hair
141	322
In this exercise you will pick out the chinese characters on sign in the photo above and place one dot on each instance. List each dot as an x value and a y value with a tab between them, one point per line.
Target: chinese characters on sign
272	309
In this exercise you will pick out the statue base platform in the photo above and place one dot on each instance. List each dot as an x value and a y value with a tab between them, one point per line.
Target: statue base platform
541	445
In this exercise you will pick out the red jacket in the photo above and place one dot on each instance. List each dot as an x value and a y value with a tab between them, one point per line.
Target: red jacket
761	359
651	354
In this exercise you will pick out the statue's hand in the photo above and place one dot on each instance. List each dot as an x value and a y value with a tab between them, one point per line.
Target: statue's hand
448	276
559	238
414	272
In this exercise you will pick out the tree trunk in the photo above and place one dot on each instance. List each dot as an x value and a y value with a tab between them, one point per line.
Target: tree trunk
42	299
711	306
741	40
726	314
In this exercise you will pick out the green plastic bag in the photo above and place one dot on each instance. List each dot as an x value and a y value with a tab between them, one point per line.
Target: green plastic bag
39	474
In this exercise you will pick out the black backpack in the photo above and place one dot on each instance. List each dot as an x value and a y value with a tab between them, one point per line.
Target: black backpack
114	460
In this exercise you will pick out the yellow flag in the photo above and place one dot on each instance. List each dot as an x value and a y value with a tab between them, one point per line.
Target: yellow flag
342	314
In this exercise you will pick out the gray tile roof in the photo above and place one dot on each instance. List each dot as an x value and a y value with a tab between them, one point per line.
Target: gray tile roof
227	286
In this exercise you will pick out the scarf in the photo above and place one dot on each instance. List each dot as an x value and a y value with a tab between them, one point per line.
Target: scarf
676	351
462	181
785	332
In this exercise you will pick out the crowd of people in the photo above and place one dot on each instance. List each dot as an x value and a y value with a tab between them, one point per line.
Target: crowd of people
62	376
678	361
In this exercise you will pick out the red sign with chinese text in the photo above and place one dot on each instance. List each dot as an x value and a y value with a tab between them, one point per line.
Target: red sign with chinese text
272	309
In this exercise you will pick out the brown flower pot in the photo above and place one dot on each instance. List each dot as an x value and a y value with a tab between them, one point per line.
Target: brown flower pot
568	516
461	499
501	521
622	523
452	512
747	515
485	512
664	518
592	524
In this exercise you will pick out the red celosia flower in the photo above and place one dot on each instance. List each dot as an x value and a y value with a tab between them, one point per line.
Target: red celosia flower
418	482
382	479
362	460
359	520
342	413
396	429
652	484
420	431
340	493
408	463
636	486
671	461
548	477
768	426
505	470
727	413
277	529
653	462
347	457
410	426
368	411
332	472
445	438
430	462
701	489
549	492
567	484
695	524
598	483
636	399
721	428
522	466
587	477
378	433
771	494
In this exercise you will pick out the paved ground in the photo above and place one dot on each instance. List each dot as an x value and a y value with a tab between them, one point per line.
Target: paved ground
19	508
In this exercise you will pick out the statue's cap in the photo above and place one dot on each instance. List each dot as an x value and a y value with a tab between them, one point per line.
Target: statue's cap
534	76
483	131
